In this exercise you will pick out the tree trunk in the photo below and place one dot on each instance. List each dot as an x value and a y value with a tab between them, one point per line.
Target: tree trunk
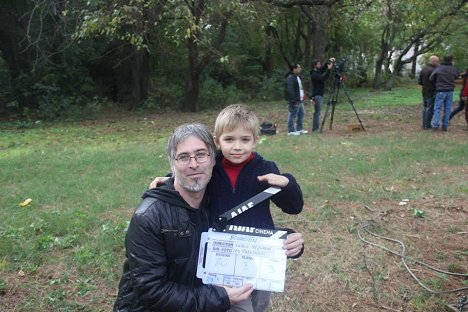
192	91
382	57
320	32
307	57
396	71
391	81
412	73
192	81
197	62
378	73
140	73
268	61
17	56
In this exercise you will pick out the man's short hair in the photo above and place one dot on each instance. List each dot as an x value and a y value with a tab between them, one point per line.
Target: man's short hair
433	59
185	131
234	116
314	62
448	59
293	66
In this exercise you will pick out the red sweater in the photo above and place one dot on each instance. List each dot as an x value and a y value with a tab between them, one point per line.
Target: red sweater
232	169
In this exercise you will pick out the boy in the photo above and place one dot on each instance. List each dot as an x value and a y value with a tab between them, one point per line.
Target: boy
239	174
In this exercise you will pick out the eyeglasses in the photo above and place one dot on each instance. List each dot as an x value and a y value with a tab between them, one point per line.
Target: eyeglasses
185	159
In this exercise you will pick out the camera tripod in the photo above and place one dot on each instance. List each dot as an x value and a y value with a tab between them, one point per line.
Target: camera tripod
337	85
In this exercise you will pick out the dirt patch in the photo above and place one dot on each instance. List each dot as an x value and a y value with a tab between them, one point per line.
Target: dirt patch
341	272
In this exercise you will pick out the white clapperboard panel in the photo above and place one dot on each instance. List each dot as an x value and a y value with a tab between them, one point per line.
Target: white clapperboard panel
239	255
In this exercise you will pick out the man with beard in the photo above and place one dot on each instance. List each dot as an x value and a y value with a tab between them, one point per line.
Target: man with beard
163	237
318	76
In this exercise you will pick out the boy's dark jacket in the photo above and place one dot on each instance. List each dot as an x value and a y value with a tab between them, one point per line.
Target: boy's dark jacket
162	244
224	197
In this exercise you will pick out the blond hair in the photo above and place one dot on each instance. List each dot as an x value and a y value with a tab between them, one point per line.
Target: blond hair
234	116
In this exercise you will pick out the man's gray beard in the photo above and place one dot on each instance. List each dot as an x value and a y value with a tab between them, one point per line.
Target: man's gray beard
194	187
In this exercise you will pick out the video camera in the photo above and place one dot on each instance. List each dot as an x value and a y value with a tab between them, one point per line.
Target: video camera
338	66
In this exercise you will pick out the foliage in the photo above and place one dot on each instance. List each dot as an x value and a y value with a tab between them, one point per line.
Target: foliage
271	88
163	53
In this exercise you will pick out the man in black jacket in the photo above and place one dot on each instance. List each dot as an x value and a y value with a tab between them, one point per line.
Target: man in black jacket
428	91
444	77
163	237
294	95
318	76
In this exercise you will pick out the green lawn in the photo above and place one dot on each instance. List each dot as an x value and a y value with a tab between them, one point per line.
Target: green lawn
64	251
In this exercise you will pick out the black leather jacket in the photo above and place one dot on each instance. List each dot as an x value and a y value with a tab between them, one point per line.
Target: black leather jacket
292	94
162	245
428	86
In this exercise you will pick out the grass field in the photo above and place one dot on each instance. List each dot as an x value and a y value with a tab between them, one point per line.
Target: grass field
64	251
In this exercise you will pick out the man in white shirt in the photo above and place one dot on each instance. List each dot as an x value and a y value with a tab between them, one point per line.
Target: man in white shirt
294	94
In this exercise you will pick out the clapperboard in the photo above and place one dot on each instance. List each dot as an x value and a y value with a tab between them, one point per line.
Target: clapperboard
233	255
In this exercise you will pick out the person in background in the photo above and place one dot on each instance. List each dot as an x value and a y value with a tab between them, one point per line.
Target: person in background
444	78
294	95
428	91
463	96
318	76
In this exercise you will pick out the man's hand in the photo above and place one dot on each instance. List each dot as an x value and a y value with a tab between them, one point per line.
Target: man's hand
330	63
158	181
238	294
274	179
293	244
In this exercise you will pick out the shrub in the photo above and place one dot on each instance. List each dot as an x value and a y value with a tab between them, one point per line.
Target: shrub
213	95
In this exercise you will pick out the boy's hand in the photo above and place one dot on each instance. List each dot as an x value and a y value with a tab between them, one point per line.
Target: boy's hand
158	181
274	179
293	244
238	294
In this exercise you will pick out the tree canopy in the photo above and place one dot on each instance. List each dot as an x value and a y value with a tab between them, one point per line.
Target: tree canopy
63	56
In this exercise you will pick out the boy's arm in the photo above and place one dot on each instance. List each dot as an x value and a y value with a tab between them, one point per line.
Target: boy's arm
158	181
290	198
274	179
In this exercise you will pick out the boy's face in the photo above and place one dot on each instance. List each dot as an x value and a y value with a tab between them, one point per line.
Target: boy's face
236	145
